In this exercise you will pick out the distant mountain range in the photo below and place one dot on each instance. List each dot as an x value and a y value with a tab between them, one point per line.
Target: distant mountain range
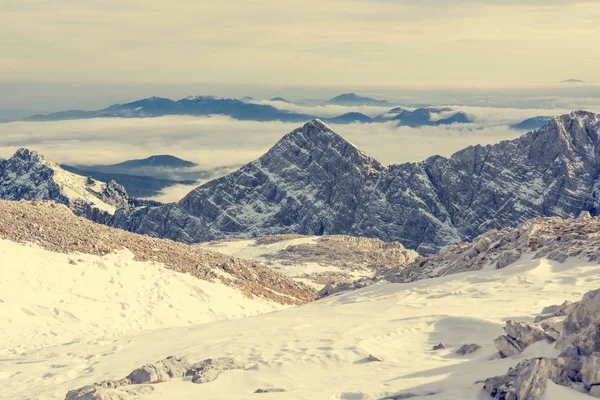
572	81
195	105
246	109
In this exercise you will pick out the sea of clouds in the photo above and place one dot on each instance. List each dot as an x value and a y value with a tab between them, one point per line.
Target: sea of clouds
220	141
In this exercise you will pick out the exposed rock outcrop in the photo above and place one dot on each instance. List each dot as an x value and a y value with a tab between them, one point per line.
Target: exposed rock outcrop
518	336
468	349
578	365
139	381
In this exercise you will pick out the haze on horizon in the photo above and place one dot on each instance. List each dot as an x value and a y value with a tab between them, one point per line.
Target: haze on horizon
115	48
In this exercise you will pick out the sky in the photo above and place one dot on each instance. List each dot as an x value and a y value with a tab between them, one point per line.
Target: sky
115	48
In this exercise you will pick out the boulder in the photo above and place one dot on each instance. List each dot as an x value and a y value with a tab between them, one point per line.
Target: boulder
210	369
519	335
528	380
371	357
590	370
160	371
439	347
100	392
585	313
468	349
507	346
270	390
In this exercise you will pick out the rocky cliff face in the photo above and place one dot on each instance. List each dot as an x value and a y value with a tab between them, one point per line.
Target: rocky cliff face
311	182
315	182
28	176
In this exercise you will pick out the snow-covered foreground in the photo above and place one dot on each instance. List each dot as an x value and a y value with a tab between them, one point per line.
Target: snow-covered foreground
318	351
50	298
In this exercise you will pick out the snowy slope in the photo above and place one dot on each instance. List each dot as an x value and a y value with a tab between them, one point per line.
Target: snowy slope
50	298
318	351
319	260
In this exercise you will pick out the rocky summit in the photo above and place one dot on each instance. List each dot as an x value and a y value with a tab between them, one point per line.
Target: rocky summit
315	182
27	175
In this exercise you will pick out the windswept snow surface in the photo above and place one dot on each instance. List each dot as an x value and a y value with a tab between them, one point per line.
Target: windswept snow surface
316	351
48	298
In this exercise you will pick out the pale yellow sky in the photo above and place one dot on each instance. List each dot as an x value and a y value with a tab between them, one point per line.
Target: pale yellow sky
300	42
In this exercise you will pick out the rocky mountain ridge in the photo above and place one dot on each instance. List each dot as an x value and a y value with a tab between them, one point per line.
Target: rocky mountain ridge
314	182
27	175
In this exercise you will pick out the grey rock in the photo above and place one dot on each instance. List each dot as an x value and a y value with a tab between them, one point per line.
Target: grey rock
507	346
108	391
205	374
315	182
468	349
528	380
590	370
595	391
270	390
161	371
210	369
584	314
438	347
373	358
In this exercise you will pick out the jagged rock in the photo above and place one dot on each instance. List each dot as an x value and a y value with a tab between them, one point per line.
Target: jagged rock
271	390
371	357
112	390
205	374
210	369
507	346
161	371
439	347
519	335
584	215
585	313
507	258
334	288
578	365
528	380
468	349
555	311
590	370
552	327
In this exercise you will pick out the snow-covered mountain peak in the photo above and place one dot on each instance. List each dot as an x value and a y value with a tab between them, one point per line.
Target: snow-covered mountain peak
27	175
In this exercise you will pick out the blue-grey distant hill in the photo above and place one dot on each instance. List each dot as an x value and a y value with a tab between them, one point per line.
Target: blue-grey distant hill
349	118
281	100
163	167
194	106
531	123
136	186
352	99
